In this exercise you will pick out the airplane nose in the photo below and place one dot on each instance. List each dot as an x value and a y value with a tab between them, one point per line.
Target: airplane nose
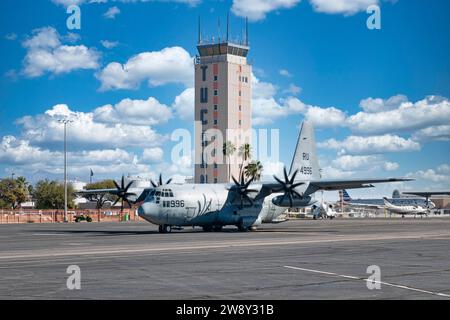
149	211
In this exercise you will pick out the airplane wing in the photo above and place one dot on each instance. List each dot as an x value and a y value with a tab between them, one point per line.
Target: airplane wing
427	193
364	205
330	185
97	191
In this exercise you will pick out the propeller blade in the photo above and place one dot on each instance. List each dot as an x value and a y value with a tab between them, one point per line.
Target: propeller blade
117	186
286	177
153	184
115	202
169	181
290	200
293	177
160	179
128	185
123	182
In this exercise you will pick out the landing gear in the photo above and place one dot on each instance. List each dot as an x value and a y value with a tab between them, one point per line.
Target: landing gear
207	228
212	228
165	229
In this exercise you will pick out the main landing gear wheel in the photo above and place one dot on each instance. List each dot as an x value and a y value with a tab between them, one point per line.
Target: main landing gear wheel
207	228
217	228
165	229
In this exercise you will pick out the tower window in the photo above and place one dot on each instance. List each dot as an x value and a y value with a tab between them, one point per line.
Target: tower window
215	78
215	180
240	122
215	92
215	107
203	95
202	116
240	108
240	93
215	121
204	72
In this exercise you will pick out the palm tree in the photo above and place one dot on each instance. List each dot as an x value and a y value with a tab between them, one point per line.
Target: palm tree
228	149
245	152
254	170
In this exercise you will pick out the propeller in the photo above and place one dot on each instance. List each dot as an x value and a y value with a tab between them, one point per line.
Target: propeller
160	182
288	186
241	188
122	192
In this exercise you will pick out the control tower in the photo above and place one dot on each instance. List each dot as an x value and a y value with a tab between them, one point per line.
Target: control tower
223	92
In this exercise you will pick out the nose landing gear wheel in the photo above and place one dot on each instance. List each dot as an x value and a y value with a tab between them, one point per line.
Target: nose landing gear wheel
165	229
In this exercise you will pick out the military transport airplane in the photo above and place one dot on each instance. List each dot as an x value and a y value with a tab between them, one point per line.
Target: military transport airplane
245	204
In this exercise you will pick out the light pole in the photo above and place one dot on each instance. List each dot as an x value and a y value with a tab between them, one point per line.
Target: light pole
65	122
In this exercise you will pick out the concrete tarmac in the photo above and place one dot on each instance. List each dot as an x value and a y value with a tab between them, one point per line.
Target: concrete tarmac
299	259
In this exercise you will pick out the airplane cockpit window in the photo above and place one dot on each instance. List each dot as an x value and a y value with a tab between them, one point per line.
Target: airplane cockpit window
150	197
167	193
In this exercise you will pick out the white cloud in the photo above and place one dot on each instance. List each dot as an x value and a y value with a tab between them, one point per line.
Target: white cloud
363	163
439	133
111	13
136	112
85	131
371	144
293	89
152	155
16	151
67	3
430	175
391	166
285	73
11	36
109	44
408	116
170	65
371	105
45	53
346	7
258	9
184	104
325	117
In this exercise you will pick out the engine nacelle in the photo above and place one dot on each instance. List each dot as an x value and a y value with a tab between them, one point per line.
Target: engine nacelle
296	202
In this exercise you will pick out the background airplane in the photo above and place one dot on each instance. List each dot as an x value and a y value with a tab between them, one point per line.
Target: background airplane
246	204
399	205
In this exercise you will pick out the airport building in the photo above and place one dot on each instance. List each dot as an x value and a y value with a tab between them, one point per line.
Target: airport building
223	109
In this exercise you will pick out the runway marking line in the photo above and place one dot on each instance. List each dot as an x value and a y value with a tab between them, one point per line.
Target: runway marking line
233	244
373	281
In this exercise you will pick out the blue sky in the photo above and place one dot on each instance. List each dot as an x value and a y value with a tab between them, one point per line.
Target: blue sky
378	98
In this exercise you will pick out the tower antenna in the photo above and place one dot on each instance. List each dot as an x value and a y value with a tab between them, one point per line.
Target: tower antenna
228	24
246	31
218	27
199	31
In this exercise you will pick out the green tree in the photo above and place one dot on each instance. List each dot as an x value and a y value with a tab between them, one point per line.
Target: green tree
50	195
245	152
105	184
101	198
12	193
228	150
254	169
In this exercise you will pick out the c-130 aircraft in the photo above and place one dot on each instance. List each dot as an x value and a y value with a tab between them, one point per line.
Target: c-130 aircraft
246	205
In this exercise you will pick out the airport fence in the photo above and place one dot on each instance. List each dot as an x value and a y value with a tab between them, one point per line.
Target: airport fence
56	216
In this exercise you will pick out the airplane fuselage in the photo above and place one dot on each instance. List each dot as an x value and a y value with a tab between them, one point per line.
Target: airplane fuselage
205	205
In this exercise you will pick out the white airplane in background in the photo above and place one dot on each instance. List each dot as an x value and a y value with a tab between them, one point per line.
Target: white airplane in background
408	210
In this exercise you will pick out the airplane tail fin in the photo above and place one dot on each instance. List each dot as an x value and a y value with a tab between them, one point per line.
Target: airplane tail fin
305	156
344	196
386	201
